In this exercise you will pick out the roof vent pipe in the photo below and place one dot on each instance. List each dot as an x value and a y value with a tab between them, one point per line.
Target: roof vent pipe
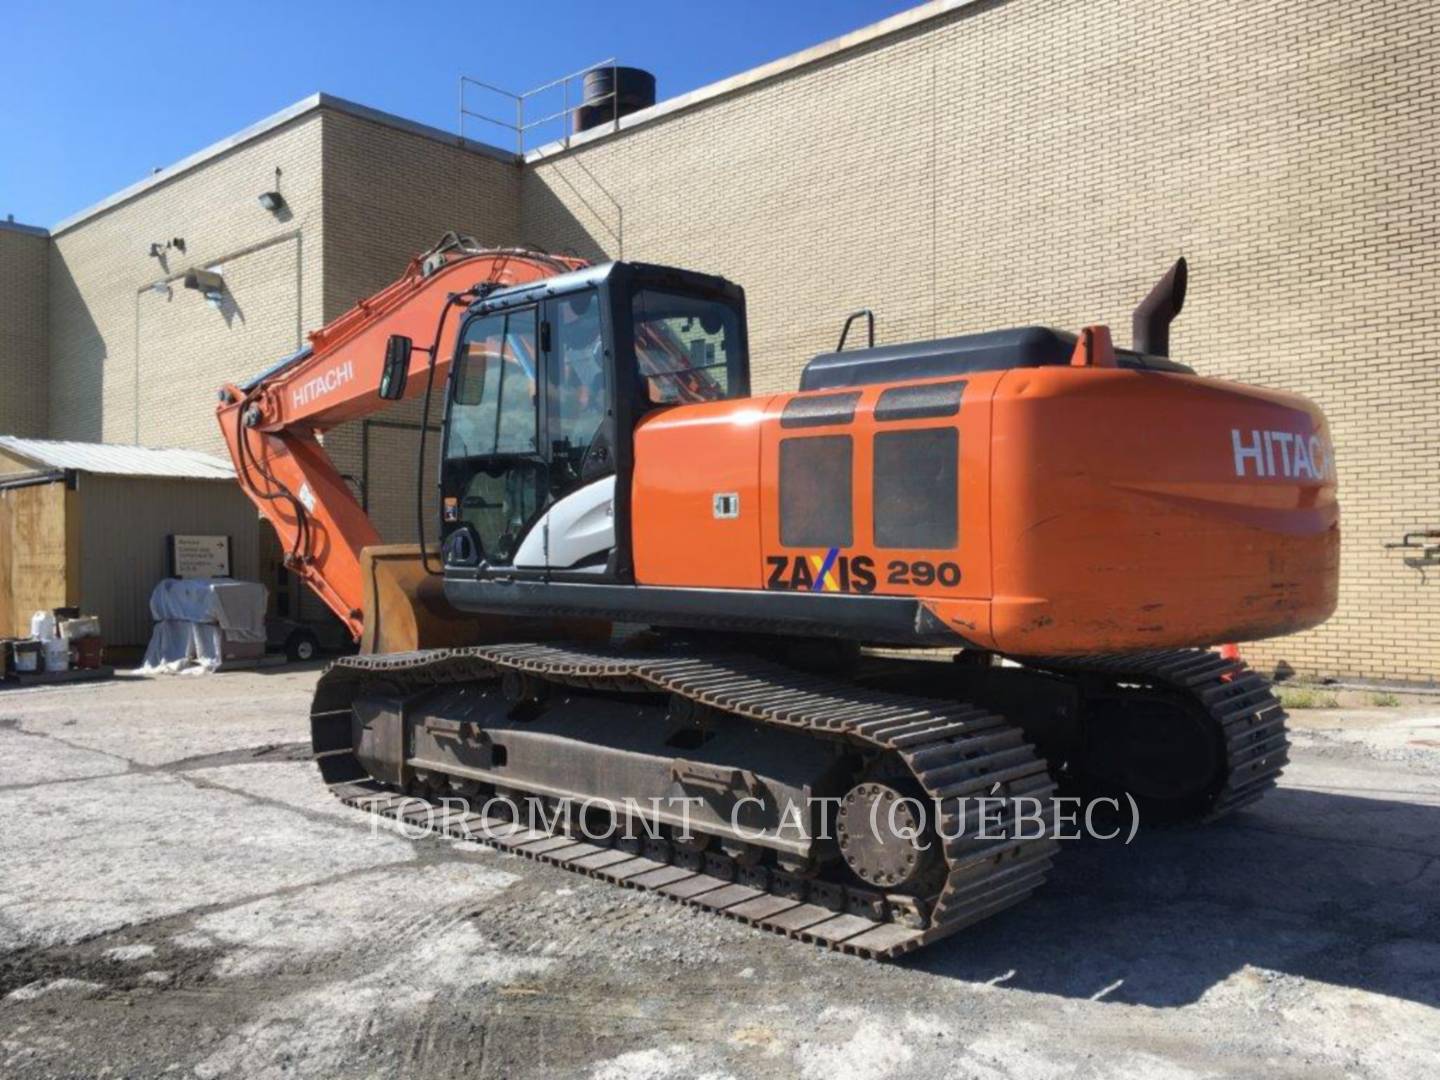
1150	325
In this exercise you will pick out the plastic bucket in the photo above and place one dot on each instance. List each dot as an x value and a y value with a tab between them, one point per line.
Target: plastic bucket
27	655
57	655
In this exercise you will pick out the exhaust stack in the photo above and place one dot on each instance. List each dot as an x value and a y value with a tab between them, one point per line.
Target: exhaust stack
1150	326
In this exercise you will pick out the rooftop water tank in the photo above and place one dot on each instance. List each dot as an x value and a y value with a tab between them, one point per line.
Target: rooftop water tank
632	88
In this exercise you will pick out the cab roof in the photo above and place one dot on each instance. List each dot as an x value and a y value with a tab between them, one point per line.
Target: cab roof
598	275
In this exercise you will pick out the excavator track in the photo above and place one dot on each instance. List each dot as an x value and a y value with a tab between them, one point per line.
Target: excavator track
1241	704
953	751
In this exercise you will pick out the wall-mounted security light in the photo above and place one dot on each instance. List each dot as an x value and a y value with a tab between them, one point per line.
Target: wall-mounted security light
208	284
161	288
273	201
158	250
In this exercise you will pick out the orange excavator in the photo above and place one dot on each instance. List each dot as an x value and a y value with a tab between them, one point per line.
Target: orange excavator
827	661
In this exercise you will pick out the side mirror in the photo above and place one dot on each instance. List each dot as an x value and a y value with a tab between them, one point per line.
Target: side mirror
397	367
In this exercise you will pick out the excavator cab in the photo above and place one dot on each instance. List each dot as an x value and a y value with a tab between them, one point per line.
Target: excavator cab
546	387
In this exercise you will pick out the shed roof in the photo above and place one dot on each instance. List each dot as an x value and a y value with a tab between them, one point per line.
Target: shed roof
112	460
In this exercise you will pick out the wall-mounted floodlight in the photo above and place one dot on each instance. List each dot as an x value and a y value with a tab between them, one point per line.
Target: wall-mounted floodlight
208	284
161	288
273	201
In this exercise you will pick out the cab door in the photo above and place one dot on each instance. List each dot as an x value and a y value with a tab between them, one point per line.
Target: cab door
495	476
578	530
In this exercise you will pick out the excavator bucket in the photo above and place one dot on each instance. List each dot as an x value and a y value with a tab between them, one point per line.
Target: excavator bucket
405	609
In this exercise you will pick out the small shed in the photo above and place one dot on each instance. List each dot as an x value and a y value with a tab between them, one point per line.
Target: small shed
89	526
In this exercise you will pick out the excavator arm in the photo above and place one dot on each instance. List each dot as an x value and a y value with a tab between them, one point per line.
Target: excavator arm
274	423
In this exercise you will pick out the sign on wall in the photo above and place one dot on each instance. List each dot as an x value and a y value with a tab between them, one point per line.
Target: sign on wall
199	556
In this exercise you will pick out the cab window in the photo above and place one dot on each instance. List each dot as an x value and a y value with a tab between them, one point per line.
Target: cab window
579	397
495	405
684	346
494	478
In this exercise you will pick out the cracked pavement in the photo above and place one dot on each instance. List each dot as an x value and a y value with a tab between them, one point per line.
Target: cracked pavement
179	895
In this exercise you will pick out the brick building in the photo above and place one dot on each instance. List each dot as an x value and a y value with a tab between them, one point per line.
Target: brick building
966	165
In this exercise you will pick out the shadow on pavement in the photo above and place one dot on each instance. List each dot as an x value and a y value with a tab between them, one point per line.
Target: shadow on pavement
1332	887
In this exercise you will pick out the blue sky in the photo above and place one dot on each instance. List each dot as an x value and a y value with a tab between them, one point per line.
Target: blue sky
94	96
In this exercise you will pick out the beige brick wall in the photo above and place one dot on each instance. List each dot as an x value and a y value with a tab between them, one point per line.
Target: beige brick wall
388	195
24	348
388	453
131	365
1043	161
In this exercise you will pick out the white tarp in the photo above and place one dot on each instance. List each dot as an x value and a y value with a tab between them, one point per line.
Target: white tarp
195	617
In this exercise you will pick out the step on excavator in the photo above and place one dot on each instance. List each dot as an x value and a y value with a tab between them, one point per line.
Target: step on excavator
791	642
